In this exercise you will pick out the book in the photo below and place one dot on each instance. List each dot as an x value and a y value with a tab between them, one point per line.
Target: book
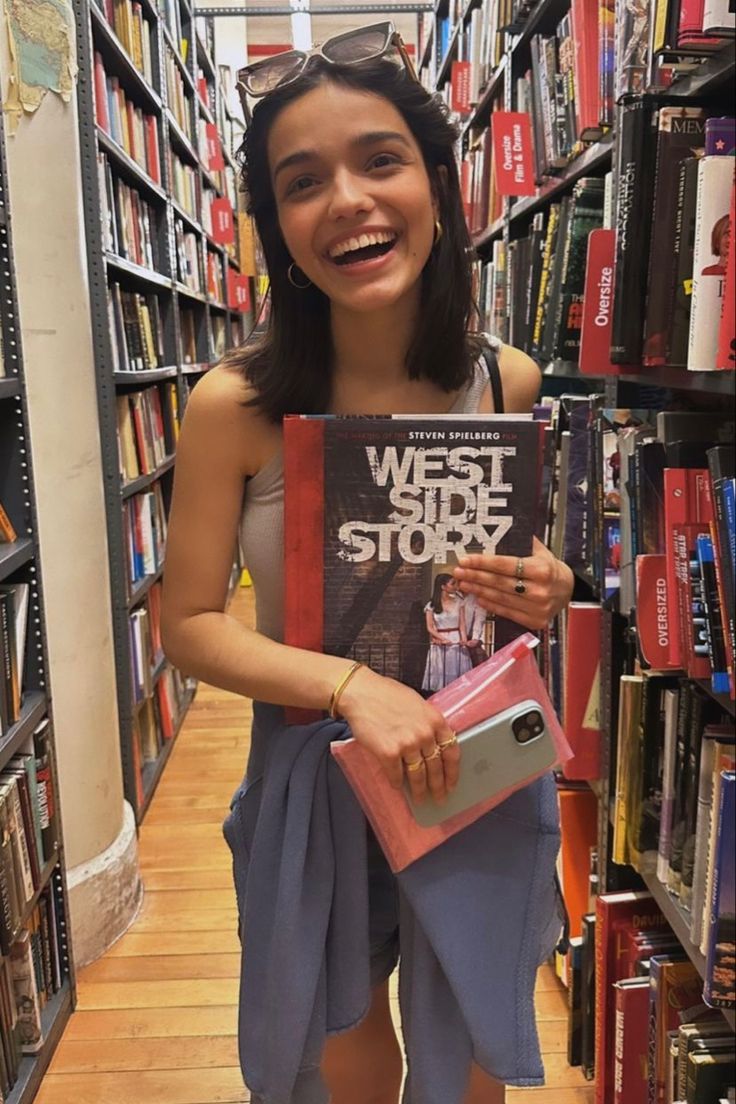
720	971
726	354
25	989
675	990
635	166
715	183
574	1002
581	710
377	511
588	997
684	247
630	1049
615	914
671	707
680	132
725	760
709	1077
691	1036
717	752
586	215
630	696
7	532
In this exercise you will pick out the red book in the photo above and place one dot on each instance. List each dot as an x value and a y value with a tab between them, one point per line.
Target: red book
726	357
581	708
101	113
630	1057
460	87
684	506
579	828
675	997
616	913
690	29
152	160
466	183
585	18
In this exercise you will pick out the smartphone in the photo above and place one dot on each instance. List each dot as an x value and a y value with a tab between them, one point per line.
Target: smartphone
501	751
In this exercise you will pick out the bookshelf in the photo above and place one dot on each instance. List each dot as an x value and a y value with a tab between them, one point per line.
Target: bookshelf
162	313
708	83
20	564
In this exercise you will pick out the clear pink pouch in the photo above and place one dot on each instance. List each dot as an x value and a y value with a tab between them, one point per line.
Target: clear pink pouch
509	677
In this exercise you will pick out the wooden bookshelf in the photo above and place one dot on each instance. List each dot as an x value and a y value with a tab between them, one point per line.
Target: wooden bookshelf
180	61
20	563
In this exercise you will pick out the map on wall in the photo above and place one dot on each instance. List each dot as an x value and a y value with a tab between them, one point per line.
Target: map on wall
41	41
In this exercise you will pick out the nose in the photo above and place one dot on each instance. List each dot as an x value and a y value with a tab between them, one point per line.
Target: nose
350	195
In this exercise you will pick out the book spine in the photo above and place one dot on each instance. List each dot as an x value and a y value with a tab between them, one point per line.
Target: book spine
713	621
720	974
636	154
715	175
726	356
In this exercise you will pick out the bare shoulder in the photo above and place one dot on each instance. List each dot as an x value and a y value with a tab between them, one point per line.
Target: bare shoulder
218	418
521	379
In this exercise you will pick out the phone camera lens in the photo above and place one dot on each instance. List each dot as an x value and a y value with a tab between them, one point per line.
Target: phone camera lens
534	720
523	735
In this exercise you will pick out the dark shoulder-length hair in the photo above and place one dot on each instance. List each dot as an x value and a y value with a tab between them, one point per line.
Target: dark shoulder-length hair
436	600
290	366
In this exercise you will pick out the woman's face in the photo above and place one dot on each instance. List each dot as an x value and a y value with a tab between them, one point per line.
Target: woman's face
353	196
449	589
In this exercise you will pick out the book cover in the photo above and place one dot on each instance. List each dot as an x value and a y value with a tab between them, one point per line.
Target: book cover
680	134
713	618
587	215
630	695
377	512
553	317
582	684
709	1077
27	1000
615	914
645	795
726	356
720	971
684	519
693	1036
630	1051
722	468
715	182
588	997
720	136
635	161
671	708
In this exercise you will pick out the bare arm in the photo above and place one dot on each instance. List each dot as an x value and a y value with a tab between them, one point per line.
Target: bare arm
221	444
434	636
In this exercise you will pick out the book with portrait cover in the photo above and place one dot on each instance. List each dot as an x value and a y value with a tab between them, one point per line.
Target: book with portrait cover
377	511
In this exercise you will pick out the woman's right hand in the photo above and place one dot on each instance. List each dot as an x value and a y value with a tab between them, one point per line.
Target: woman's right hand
399	727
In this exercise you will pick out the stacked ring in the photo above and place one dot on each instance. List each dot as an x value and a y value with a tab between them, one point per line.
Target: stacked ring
519	569
448	743
435	754
415	766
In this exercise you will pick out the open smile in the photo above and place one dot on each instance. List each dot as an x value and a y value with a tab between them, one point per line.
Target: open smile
363	250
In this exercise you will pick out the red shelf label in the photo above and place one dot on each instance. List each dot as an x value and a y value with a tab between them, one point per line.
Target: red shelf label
513	163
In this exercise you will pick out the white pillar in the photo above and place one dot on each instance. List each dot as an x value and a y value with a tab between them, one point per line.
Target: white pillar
50	264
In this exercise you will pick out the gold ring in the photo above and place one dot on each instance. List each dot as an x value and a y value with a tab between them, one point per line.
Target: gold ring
435	754
415	766
519	569
448	743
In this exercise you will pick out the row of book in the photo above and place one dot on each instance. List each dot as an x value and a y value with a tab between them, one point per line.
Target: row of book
178	98
679	34
157	717
188	257
134	32
191	320
129	223
637	1020
134	130
170	11
144	527
478	51
136	329
30	974
146	429
681	258
184	181
28	830
145	643
14	610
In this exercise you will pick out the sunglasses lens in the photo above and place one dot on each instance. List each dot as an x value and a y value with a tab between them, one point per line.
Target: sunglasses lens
267	75
356	46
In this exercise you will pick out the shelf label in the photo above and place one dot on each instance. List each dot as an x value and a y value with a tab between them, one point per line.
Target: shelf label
513	163
595	335
223	228
460	87
215	159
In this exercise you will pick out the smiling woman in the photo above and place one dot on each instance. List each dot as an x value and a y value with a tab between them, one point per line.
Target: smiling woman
351	176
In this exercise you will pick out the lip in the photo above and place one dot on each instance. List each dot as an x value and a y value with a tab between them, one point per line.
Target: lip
355	233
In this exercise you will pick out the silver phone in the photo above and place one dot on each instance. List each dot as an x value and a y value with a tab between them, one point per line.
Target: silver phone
501	751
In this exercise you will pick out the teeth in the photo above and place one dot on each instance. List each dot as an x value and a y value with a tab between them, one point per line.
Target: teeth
364	240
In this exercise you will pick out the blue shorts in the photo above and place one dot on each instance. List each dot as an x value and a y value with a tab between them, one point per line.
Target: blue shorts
383	923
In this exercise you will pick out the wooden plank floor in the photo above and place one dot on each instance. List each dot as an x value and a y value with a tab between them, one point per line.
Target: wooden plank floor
157	1015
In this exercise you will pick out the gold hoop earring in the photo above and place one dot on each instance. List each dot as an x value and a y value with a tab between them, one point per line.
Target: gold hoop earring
437	231
292	281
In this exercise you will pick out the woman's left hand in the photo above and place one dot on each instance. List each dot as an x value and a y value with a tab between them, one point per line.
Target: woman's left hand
492	580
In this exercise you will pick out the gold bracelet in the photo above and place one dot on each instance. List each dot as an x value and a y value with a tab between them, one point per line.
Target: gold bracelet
337	692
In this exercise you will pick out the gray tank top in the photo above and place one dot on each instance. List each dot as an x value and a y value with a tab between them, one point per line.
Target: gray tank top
261	530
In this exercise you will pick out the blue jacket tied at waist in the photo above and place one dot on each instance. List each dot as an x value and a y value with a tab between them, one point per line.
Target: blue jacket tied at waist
478	916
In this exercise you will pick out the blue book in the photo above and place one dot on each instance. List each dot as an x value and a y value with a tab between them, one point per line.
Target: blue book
720	137
713	615
720	970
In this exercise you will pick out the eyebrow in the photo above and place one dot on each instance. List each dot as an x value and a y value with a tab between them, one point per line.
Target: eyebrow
370	138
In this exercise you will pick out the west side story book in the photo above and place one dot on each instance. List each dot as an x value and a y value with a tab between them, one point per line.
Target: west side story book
377	511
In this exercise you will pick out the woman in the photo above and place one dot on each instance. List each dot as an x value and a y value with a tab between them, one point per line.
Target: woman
350	170
448	657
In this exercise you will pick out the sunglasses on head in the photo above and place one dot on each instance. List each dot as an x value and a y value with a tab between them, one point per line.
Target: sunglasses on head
380	40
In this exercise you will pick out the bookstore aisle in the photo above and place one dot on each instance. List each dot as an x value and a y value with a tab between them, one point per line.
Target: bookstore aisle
156	1016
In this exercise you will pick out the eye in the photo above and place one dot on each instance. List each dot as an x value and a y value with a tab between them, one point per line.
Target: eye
300	185
384	161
